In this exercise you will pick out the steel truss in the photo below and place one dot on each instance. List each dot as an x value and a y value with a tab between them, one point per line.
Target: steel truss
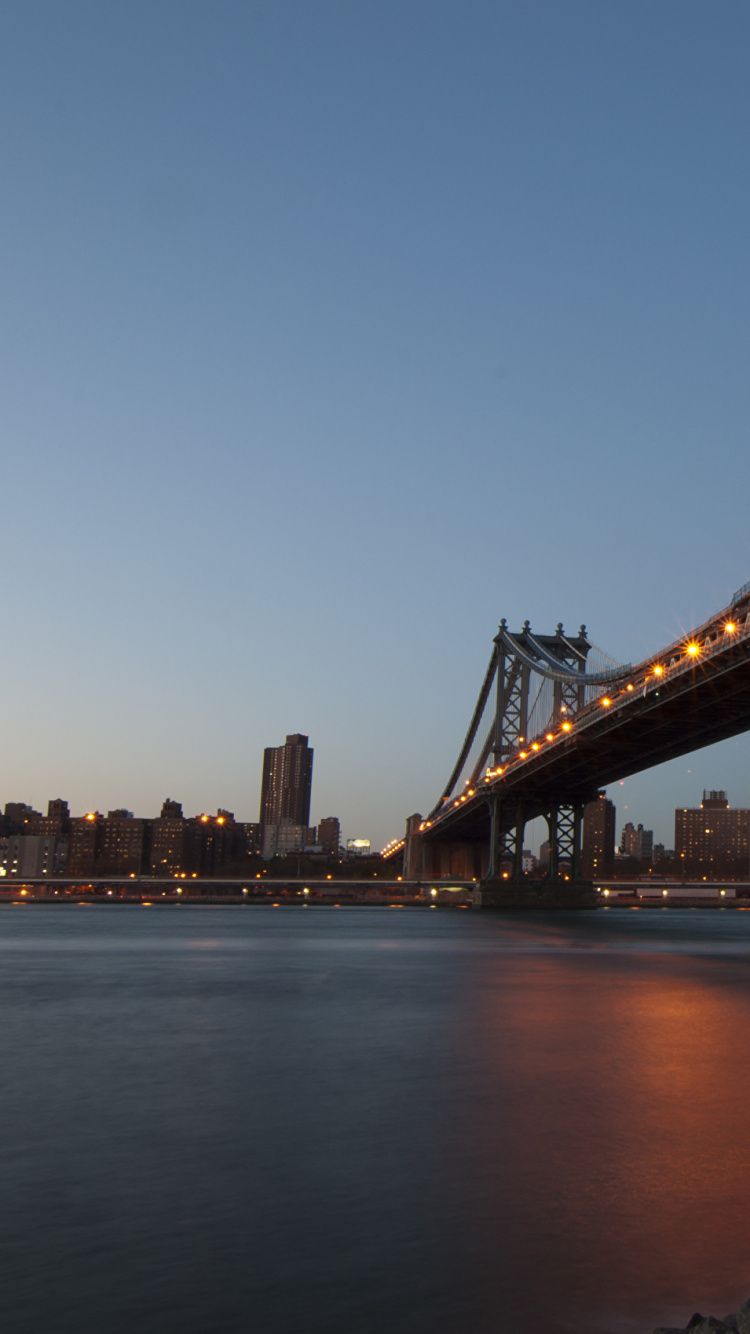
520	666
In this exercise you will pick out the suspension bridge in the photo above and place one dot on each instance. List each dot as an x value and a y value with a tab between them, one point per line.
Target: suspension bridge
554	723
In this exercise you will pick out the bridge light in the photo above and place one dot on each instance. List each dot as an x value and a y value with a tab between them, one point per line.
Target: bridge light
566	727
630	685
693	650
550	736
535	746
523	754
606	701
730	627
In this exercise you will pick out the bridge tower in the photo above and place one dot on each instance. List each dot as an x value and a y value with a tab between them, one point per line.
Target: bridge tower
541	682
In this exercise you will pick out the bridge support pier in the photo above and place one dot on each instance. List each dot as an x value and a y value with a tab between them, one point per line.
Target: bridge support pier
506	885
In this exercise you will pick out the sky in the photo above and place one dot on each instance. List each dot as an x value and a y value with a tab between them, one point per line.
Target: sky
333	331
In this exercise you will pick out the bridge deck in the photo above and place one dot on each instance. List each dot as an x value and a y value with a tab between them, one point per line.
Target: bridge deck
695	693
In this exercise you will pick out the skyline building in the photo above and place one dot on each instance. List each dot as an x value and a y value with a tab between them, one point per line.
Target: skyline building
286	784
638	843
712	838
329	835
598	842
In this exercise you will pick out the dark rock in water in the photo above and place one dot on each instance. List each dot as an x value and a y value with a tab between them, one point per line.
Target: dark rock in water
743	1318
708	1324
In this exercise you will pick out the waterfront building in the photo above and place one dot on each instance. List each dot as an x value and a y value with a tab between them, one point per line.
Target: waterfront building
286	784
279	840
252	834
31	855
86	834
214	844
638	843
17	817
598	838
713	839
329	835
55	823
167	844
122	845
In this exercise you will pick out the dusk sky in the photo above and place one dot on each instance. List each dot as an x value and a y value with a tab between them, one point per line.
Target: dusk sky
333	332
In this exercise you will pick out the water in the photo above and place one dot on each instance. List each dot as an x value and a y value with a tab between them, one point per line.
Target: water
319	1121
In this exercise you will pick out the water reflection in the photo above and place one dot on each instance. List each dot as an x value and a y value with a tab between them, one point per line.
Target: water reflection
610	1103
430	1123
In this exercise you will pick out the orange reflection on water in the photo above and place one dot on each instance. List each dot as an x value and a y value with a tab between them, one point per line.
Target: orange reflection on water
612	1108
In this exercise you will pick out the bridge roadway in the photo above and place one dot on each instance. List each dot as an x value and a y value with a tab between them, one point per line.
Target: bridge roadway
696	692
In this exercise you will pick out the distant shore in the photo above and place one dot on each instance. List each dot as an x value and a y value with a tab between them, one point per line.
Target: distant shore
298	893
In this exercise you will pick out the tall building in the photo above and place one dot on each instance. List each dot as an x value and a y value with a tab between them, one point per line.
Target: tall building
86	835
598	843
167	855
122	847
18	816
329	835
638	843
31	855
713	839
287	783
55	823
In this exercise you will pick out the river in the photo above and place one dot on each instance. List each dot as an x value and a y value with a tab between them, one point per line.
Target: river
358	1121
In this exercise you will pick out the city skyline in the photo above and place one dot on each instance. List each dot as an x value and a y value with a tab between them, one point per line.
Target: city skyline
333	340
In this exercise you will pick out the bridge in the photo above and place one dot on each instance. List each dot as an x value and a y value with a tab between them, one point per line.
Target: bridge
555	722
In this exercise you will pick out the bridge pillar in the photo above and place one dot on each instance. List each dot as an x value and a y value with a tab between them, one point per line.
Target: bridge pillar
562	887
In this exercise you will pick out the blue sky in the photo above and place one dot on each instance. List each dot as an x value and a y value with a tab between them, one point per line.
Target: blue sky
334	332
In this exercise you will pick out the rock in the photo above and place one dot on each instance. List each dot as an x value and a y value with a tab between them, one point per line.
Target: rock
706	1324
743	1318
668	1329
731	1322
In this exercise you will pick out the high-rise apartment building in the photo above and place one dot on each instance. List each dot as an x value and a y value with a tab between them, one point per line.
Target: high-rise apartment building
329	835
86	834
287	783
638	843
122	847
598	842
712	839
167	855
